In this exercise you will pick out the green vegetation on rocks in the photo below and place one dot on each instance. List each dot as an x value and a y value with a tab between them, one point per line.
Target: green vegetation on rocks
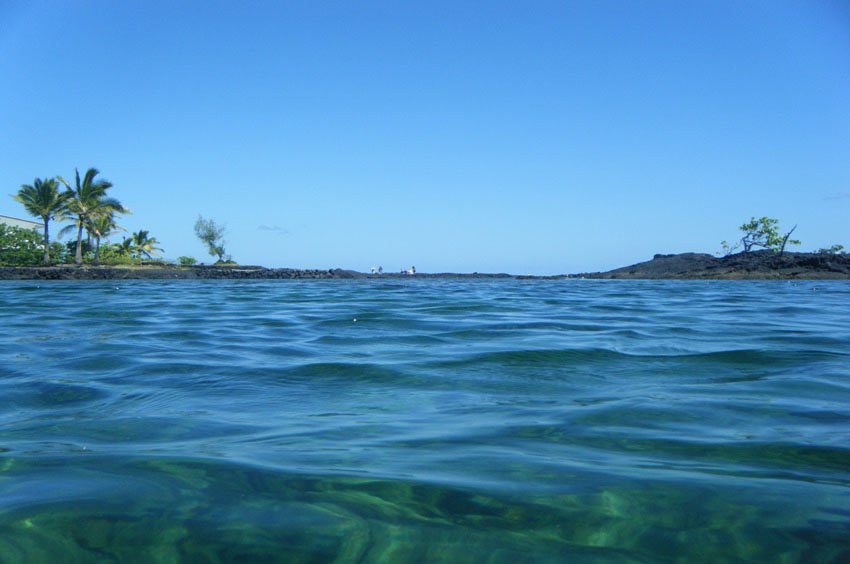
94	214
833	250
25	247
211	234
143	245
762	232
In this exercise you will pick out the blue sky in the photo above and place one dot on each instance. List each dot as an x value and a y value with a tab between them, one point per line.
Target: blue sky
524	137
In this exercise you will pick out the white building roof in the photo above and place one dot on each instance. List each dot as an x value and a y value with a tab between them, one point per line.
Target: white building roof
25	223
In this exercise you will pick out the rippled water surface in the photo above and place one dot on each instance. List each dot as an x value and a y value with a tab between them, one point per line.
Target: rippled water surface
424	420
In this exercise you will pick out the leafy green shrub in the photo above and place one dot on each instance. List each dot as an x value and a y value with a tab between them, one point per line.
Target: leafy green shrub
833	250
762	232
59	254
71	247
20	247
187	261
113	254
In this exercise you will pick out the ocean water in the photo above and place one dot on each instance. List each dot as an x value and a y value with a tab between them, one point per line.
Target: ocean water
425	421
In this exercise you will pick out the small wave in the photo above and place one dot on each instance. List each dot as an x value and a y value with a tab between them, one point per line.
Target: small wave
345	372
51	395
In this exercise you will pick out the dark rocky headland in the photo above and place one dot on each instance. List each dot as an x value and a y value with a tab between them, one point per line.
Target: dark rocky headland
759	265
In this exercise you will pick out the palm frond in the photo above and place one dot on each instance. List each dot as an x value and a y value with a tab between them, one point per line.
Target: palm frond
72	228
42	199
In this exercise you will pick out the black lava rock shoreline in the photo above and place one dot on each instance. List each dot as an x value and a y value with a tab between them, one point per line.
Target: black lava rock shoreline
760	265
167	273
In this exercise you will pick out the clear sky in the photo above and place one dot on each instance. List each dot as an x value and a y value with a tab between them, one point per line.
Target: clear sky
524	137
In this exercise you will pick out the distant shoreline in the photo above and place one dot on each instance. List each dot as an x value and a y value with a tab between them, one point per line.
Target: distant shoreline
761	265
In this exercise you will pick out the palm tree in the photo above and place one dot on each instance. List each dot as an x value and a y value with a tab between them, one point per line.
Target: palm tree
145	245
101	226
88	199
126	248
43	199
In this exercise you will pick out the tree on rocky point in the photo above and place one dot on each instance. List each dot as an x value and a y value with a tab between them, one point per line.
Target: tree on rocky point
212	235
762	232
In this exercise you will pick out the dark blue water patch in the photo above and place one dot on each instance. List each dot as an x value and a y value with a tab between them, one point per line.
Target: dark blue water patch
539	357
92	362
53	396
827	416
345	375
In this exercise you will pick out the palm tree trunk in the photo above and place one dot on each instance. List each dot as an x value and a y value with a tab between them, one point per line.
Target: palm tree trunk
97	250
46	242
78	257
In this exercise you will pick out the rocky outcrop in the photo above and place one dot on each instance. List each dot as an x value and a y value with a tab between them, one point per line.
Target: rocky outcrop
759	265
